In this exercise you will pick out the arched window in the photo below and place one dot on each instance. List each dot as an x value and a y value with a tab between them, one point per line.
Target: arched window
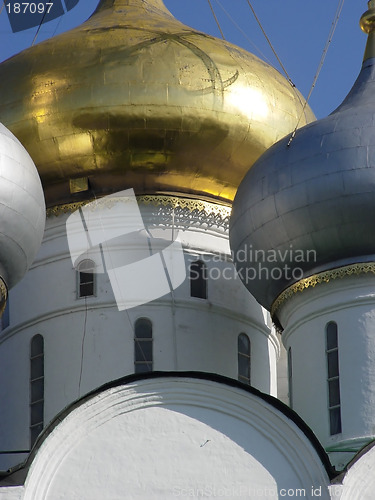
333	378
86	278
143	346
198	280
36	387
290	377
244	358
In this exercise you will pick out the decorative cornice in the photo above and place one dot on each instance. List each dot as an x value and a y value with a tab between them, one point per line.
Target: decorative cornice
321	278
66	209
190	204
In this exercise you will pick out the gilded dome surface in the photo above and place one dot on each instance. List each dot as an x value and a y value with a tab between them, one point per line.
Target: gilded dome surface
310	206
133	98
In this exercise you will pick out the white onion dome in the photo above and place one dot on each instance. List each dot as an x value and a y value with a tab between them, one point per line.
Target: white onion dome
309	206
22	211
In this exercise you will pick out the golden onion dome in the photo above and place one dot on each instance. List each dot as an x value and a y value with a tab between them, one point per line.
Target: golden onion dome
133	98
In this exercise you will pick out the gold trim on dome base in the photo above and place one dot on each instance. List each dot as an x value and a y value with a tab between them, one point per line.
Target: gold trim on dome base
190	204
320	278
3	296
67	208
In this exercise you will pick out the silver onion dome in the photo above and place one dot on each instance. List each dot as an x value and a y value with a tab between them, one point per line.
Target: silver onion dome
310	206
22	211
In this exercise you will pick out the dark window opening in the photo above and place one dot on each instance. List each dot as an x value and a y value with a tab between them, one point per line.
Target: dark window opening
198	280
244	359
333	379
86	278
143	348
36	387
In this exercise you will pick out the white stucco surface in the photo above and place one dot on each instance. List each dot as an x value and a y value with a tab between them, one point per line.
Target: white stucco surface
89	342
349	302
11	492
173	437
359	481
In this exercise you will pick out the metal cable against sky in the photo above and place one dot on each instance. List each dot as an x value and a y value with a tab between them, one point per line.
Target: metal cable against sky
322	59
270	44
242	31
40	24
216	19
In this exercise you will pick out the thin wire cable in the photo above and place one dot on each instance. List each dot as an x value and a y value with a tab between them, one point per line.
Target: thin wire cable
36	35
216	19
322	59
263	55
40	25
242	31
174	327
270	44
57	26
105	245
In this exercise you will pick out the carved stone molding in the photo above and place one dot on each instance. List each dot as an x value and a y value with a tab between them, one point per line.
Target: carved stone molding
183	209
321	278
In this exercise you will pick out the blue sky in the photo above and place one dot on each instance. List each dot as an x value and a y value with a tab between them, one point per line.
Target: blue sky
298	30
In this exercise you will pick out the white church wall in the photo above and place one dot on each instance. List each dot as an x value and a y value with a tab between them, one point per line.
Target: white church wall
11	492
282	376
14	397
89	342
350	303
